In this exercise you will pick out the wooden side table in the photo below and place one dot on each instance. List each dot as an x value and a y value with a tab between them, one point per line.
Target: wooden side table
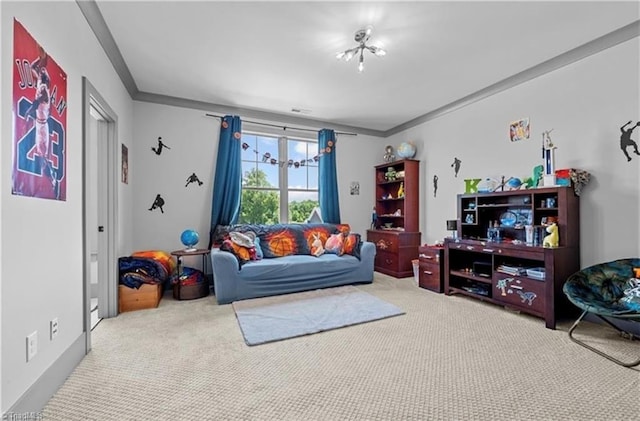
198	252
188	292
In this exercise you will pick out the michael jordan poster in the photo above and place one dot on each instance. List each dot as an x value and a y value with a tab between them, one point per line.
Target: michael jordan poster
40	120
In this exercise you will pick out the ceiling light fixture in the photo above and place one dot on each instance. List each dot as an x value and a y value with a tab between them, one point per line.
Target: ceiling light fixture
361	37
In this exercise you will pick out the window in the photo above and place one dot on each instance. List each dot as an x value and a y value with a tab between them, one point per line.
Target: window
279	179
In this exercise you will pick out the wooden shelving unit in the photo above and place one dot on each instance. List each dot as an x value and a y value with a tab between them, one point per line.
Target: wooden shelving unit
395	233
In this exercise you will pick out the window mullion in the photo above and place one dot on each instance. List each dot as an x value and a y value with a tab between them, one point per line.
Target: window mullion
284	179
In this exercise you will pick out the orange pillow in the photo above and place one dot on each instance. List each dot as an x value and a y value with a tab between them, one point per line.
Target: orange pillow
352	243
343	228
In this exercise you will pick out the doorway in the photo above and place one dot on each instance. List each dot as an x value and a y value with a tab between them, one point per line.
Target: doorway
93	143
100	183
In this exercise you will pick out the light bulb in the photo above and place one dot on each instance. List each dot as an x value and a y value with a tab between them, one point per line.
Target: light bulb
380	52
361	67
340	55
348	55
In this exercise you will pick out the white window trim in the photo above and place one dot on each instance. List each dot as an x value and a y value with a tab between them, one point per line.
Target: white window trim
283	175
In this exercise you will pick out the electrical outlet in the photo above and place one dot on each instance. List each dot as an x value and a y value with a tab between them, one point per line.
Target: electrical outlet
53	328
32	345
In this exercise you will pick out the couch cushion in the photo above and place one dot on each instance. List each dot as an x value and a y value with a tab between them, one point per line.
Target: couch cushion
298	267
282	240
288	239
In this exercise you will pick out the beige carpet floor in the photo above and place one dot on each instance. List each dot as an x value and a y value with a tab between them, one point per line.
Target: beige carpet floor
447	358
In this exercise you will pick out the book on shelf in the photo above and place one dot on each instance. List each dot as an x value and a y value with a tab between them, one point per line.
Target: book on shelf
512	270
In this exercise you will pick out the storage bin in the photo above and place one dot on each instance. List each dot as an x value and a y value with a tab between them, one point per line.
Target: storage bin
131	299
536	273
190	284
190	292
563	177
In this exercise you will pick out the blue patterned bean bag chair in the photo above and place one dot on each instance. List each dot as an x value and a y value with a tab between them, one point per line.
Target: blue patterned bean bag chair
608	290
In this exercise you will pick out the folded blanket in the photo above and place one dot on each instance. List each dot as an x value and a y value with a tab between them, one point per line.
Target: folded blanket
135	271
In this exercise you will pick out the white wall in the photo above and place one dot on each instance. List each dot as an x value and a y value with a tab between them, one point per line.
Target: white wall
2	193
585	104
356	157
41	246
193	139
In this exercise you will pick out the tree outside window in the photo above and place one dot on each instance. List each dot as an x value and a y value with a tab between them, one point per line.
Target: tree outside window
280	179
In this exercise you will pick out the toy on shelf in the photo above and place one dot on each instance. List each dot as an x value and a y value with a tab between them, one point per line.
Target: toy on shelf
548	149
553	239
391	174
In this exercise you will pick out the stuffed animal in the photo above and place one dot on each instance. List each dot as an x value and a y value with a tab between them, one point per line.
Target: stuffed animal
534	180
553	239
317	249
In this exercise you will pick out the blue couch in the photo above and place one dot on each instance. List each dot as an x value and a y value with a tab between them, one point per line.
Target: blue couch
287	274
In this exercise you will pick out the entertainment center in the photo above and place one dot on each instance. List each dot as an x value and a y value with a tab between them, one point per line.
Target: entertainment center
493	259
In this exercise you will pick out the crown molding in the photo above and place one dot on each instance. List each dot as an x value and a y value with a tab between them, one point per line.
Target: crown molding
97	23
99	27
281	119
597	45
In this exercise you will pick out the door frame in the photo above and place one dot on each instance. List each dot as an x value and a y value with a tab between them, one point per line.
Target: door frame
108	201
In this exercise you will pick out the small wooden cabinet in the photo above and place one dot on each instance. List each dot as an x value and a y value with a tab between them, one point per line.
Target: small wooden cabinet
394	230
431	261
492	261
394	251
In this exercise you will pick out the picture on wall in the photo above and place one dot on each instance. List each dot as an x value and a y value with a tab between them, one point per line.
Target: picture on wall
519	130
125	164
40	120
354	188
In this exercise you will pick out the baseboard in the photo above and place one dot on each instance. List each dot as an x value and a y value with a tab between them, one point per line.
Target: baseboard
37	396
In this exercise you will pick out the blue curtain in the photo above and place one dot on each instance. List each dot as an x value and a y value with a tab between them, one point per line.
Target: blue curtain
227	186
327	177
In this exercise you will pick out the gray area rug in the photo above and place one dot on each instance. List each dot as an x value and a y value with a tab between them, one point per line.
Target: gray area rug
286	316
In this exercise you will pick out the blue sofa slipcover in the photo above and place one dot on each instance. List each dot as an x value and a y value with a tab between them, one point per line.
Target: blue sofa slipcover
287	274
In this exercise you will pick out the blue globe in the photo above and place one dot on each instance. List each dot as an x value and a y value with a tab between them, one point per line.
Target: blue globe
189	238
514	183
406	150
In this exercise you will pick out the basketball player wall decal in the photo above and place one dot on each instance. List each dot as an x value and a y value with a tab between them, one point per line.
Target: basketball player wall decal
193	178
626	141
161	145
157	203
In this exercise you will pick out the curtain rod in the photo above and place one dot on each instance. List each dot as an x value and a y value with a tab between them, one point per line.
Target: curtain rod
282	127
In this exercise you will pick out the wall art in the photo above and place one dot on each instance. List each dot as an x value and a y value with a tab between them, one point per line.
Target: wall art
626	141
354	188
40	120
519	130
157	203
456	165
158	149
193	178
125	164
435	185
